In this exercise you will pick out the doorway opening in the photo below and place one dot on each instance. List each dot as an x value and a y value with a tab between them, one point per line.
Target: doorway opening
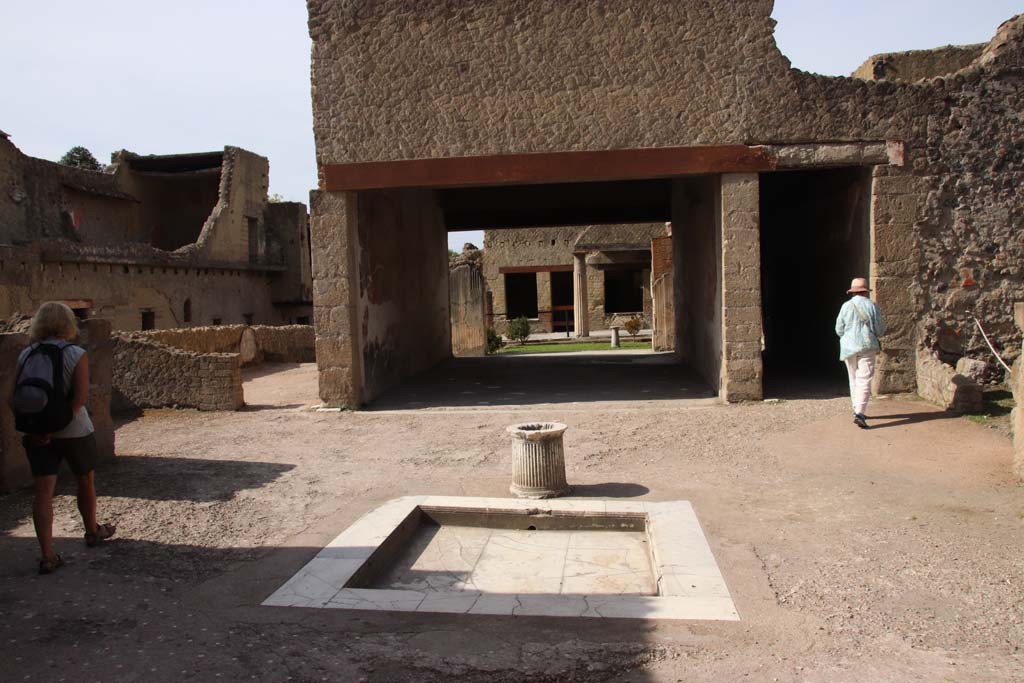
815	237
521	295
562	302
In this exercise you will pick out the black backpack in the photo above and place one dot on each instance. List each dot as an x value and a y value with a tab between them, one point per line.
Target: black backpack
41	403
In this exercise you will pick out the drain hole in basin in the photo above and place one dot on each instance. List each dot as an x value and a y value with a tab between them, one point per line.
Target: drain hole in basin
531	528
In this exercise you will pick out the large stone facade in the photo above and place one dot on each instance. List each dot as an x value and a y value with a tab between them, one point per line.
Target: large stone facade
152	241
925	174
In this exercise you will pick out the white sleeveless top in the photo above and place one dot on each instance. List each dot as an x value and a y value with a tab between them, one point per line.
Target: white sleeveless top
81	423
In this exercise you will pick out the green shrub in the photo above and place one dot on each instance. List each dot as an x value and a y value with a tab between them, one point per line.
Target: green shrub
633	326
519	329
494	341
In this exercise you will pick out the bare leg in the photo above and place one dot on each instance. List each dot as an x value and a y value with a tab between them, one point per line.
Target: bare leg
42	513
87	501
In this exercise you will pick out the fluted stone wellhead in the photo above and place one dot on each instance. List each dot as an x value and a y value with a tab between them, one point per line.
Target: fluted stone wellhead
539	470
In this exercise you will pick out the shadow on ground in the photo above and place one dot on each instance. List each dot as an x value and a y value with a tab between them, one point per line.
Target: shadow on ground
542	378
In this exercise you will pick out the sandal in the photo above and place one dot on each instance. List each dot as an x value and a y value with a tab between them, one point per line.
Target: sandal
102	533
50	565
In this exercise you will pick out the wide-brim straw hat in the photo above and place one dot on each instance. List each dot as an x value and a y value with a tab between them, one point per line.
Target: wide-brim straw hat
859	285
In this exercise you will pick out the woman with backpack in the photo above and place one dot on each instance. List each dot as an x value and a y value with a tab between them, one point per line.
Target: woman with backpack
859	326
50	393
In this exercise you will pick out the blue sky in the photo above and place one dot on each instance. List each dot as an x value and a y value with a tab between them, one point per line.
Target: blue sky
194	75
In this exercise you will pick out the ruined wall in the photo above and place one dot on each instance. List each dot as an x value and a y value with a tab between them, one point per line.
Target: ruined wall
697	274
174	206
288	223
577	75
148	374
945	386
915	65
403	291
242	196
466	293
120	291
94	337
214	339
285	343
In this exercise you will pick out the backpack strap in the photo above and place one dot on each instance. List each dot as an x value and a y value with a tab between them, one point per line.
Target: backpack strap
56	353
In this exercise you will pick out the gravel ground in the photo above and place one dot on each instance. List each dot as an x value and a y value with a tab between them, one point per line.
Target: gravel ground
887	555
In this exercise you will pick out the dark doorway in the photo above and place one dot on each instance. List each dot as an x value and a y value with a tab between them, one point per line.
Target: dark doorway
148	320
561	301
623	290
814	239
521	295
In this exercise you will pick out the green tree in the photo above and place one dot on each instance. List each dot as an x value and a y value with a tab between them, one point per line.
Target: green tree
275	198
452	254
80	157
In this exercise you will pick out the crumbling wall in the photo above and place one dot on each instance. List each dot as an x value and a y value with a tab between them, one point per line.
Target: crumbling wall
288	232
945	386
149	374
215	339
242	194
285	343
94	337
916	65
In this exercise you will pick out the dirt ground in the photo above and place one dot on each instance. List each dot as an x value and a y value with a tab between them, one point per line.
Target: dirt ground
892	554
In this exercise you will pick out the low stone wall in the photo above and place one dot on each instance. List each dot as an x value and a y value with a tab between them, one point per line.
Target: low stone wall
94	336
277	344
150	374
285	343
213	339
950	388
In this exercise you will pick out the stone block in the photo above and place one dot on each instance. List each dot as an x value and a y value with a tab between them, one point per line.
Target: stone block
898	208
899	184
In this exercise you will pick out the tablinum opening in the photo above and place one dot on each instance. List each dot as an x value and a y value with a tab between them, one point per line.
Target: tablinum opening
814	239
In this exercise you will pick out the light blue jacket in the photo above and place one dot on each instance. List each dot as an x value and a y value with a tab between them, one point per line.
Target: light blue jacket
859	326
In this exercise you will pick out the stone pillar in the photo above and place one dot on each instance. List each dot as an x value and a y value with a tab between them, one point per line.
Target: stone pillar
741	372
580	301
897	203
333	233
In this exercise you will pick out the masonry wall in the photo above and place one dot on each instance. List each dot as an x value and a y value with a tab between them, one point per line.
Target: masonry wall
256	344
586	83
94	337
697	275
242	196
285	343
403	287
148	374
121	291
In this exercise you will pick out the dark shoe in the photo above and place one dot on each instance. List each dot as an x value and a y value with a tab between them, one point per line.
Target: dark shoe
860	420
103	532
49	566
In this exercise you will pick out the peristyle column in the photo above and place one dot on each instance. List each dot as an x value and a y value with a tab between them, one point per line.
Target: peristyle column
580	303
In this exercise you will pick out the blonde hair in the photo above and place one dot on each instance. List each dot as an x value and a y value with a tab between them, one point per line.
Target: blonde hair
53	320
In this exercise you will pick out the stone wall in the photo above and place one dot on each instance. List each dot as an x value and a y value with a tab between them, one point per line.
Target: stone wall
149	374
285	343
945	386
1016	381
587	84
94	337
916	65
173	244
256	344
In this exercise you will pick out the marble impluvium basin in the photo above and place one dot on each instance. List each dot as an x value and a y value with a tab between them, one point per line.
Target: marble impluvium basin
571	558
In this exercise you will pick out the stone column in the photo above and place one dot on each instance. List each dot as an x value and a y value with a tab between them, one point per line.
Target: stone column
335	297
580	301
742	371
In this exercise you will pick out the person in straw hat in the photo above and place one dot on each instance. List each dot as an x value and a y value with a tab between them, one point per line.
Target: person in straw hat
859	326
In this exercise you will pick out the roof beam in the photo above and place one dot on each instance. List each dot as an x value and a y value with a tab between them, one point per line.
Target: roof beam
548	167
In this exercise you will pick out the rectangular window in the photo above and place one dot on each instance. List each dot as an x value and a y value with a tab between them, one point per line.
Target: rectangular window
302	320
254	240
148	320
520	295
216	321
623	290
248	317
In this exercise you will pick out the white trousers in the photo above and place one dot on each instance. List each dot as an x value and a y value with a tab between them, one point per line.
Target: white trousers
861	368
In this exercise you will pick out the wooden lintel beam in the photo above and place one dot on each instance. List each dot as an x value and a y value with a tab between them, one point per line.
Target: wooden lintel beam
535	269
549	167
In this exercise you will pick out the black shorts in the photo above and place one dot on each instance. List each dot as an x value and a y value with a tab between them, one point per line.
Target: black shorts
80	452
